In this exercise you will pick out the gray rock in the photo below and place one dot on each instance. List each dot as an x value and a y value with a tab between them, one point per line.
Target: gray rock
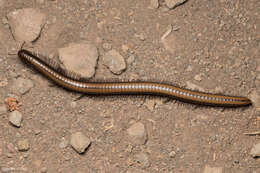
174	3
255	151
209	169
3	109
23	145
79	142
21	86
15	118
114	61
154	4
143	159
80	58
137	134
26	24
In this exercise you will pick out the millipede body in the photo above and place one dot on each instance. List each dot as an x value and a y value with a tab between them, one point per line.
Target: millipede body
139	88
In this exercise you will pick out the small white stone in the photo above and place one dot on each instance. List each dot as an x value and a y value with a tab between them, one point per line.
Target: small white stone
114	61
26	24
137	134
21	86
79	142
80	58
255	151
23	145
15	118
174	3
154	4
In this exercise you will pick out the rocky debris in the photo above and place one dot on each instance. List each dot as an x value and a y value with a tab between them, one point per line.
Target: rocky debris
143	159
131	59
174	3
3	80
3	109
154	4
140	36
172	154
255	151
198	77
26	24
80	58
79	142
114	61
43	170
107	46
137	134
255	98
209	169
15	118
23	145
21	86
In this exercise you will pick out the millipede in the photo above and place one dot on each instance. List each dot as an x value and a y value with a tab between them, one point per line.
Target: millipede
52	70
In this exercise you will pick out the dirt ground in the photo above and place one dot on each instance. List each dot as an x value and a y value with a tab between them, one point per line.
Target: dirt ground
214	45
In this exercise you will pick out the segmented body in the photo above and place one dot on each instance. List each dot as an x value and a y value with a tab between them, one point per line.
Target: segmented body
152	88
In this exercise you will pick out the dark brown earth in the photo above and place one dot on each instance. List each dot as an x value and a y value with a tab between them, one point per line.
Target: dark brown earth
214	45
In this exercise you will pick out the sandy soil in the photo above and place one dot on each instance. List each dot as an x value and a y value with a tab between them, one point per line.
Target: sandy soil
214	45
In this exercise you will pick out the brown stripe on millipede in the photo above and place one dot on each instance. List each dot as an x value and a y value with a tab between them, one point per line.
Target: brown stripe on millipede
145	87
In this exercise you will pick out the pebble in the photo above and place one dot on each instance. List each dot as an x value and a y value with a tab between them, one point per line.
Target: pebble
137	134
143	159
23	145
43	170
15	118
21	86
3	109
209	169
26	24
107	46
172	154
80	58
79	142
131	59
255	151
154	4
197	77
114	61
174	3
